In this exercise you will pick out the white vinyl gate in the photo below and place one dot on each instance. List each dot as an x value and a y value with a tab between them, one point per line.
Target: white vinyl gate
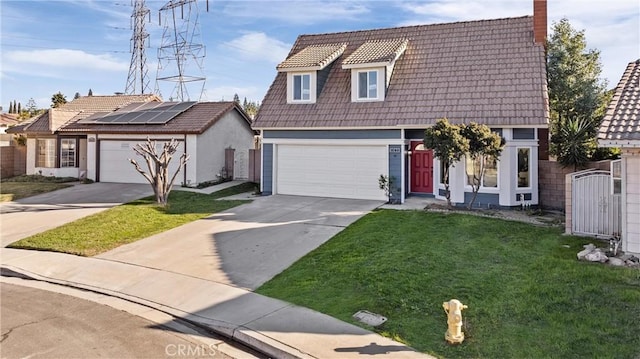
595	210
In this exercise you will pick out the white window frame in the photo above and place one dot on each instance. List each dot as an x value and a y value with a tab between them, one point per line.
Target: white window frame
50	153
482	186
530	179
68	159
311	91
616	176
380	84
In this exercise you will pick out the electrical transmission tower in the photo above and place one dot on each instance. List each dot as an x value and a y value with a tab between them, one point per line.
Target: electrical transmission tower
137	80
181	53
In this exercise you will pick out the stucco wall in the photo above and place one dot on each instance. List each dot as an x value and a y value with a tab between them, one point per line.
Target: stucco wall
631	200
230	131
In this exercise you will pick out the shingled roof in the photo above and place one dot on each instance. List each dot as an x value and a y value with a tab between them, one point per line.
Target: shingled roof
377	51
314	56
82	107
194	120
621	124
487	71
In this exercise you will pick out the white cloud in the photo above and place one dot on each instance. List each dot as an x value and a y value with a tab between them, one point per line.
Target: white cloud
61	59
299	12
259	47
613	27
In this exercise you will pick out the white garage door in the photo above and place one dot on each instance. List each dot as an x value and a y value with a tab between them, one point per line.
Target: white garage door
115	165
331	171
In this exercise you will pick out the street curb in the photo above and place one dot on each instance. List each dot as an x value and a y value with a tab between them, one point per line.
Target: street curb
238	333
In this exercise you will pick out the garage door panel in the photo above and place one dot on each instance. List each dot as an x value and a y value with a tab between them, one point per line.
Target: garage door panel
331	171
115	165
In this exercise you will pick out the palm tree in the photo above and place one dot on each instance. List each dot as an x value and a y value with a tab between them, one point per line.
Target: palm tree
573	142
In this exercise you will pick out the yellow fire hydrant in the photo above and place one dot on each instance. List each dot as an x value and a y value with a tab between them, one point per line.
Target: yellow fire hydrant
453	308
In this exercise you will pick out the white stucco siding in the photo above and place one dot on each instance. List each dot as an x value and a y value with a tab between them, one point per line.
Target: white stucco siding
91	157
230	131
631	188
31	156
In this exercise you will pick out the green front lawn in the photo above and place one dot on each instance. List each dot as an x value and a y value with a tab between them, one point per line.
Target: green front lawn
131	222
18	187
527	294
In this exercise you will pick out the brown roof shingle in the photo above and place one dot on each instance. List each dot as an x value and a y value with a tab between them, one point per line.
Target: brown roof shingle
487	71
621	123
80	108
377	51
194	120
313	56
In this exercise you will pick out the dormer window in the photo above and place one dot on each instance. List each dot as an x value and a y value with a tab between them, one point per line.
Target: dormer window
302	87
371	66
306	71
368	85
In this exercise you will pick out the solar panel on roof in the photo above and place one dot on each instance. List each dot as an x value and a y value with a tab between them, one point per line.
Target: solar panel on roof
144	117
163	117
108	119
182	106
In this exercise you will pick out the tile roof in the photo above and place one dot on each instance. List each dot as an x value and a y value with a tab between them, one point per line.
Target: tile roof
195	120
621	123
487	71
377	51
80	108
313	56
9	119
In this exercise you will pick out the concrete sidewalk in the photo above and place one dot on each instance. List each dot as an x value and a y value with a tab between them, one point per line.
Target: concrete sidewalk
277	328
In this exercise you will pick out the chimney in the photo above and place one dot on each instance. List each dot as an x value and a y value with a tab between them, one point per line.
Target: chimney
540	22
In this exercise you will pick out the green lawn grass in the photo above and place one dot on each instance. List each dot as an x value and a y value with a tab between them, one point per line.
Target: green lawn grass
23	186
527	294
130	222
11	191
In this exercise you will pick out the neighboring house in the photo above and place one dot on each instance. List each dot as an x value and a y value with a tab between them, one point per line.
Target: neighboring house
93	137
621	128
51	153
347	107
7	120
207	131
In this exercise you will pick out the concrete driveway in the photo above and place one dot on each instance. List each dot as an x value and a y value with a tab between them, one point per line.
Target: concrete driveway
247	245
36	214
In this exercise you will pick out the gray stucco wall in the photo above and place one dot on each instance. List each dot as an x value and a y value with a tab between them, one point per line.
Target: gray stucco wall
395	170
267	169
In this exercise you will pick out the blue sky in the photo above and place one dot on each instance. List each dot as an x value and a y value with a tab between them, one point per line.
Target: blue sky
76	45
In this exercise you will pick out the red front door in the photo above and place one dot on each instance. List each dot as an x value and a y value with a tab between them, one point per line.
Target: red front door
421	168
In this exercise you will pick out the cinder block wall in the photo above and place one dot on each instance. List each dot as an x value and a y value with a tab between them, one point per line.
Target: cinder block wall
6	161
552	182
19	160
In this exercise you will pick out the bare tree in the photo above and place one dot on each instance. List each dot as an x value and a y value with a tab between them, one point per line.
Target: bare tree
158	164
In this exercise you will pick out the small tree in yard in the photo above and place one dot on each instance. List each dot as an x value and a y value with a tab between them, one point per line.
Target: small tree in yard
448	145
158	164
484	146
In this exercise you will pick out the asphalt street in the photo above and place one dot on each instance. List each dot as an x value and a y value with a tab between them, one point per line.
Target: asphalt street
44	324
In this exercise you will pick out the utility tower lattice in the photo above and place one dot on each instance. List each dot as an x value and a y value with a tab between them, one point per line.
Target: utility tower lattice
181	54
137	80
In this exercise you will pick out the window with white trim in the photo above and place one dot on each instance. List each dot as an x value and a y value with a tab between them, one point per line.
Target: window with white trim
524	158
67	152
473	168
368	85
46	152
616	176
302	87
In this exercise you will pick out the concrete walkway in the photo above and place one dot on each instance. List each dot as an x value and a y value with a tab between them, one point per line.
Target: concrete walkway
277	328
204	272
